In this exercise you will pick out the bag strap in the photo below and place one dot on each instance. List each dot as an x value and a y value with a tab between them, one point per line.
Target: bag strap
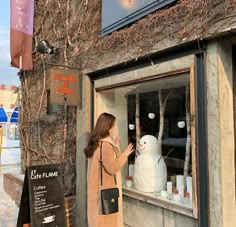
102	165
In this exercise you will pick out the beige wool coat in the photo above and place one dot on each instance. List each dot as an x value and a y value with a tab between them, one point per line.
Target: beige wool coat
112	163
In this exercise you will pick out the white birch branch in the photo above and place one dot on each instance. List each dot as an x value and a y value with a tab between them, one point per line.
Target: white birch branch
162	105
161	125
137	119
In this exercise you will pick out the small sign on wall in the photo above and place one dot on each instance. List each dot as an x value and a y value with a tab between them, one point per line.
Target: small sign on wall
64	87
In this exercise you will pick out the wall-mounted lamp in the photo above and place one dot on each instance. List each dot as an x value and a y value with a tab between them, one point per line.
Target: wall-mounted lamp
44	47
128	4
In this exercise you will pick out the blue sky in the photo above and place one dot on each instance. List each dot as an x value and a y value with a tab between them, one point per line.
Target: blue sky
8	74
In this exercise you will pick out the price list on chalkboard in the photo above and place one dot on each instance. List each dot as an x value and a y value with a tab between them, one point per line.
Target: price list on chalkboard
46	200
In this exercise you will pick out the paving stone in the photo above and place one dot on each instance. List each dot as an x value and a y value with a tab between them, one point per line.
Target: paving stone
9	163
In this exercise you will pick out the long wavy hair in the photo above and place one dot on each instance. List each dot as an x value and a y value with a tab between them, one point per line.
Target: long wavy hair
104	123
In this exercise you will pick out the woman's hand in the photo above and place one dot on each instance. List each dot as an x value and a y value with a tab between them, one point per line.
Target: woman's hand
129	149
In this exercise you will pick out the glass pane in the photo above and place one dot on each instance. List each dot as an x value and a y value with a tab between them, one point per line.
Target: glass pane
154	109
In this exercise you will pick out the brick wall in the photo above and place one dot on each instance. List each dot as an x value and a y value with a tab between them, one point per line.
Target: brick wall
13	185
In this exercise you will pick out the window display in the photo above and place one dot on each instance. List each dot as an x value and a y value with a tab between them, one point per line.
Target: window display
156	117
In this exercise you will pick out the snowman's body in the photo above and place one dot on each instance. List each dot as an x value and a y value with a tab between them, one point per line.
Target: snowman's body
150	173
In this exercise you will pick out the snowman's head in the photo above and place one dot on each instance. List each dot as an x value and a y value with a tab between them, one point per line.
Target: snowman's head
148	144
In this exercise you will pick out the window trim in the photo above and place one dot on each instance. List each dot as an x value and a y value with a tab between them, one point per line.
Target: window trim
145	79
158	201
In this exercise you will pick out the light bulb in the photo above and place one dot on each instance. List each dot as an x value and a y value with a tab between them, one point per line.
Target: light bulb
181	124
151	115
128	4
131	126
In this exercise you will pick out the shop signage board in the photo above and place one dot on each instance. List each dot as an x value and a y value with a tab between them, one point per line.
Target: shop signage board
42	200
64	86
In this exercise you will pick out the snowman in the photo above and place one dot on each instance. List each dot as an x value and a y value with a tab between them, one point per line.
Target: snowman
150	173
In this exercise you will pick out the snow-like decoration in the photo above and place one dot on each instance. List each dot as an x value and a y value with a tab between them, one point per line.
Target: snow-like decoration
150	173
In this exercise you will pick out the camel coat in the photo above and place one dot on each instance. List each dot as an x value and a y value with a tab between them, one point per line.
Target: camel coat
112	163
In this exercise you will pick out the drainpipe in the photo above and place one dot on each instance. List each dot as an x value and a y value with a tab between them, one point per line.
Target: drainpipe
202	160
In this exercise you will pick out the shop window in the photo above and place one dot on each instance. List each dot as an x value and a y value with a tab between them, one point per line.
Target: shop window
127	11
157	117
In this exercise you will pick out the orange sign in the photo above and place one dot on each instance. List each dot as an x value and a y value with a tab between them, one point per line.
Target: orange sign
64	84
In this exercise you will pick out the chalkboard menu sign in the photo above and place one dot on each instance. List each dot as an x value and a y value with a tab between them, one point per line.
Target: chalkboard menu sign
42	200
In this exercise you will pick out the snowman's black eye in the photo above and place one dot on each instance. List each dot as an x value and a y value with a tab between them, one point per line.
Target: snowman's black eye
144	142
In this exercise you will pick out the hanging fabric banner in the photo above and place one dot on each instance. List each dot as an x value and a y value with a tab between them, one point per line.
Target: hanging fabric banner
22	19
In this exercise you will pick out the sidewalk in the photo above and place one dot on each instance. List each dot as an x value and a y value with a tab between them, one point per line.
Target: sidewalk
8	208
9	163
10	153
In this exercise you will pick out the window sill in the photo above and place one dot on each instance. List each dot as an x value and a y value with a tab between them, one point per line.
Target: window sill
155	199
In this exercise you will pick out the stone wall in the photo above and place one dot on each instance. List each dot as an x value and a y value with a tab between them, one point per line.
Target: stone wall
46	136
221	135
13	185
142	214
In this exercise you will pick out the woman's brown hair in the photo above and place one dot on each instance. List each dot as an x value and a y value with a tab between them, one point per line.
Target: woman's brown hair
104	123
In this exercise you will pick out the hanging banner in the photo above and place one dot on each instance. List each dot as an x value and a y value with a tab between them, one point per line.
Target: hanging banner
64	87
21	33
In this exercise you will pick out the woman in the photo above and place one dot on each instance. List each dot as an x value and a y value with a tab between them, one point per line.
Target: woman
113	160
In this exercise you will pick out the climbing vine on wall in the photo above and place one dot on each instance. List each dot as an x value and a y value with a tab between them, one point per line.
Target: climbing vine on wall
73	27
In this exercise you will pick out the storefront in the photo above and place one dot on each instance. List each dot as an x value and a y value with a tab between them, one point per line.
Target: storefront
166	70
182	98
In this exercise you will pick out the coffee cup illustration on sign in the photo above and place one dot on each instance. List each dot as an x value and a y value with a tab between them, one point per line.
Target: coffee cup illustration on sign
49	219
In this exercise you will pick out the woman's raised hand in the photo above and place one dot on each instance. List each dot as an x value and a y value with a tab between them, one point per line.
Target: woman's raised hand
129	149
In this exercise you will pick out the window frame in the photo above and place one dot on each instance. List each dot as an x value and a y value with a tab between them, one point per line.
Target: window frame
158	201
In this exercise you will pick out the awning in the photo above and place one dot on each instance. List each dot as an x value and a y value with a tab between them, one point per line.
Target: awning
3	115
14	115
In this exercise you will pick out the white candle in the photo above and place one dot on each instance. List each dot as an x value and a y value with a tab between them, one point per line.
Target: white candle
189	184
176	198
181	191
179	182
129	183
131	170
164	194
169	187
190	194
